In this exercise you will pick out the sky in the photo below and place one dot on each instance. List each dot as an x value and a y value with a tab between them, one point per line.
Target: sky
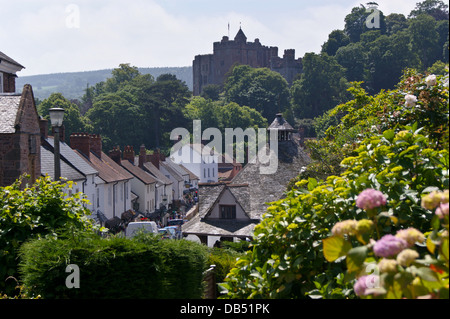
52	36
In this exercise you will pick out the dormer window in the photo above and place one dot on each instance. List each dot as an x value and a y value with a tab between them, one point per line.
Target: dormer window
227	211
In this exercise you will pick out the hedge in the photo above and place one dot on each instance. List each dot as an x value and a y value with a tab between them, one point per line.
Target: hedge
112	268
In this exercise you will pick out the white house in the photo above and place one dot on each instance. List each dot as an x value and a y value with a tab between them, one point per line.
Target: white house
73	168
176	178
114	182
200	160
143	184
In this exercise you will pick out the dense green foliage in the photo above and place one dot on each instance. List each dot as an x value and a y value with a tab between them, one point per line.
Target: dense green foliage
116	267
38	210
262	89
386	142
73	84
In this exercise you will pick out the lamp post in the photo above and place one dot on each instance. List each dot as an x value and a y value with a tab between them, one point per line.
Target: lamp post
56	119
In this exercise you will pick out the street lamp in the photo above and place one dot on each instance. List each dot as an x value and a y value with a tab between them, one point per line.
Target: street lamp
56	119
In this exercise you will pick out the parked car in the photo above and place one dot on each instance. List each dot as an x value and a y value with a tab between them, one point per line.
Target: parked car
167	233
146	226
176	230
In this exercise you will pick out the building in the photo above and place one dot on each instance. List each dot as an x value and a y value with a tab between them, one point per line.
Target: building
8	70
201	160
20	136
143	185
212	68
150	164
73	168
114	181
231	210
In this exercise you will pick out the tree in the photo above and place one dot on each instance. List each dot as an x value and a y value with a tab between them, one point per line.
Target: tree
211	91
322	86
356	22
425	39
353	58
262	89
336	40
387	56
168	97
73	120
395	22
223	115
117	119
435	8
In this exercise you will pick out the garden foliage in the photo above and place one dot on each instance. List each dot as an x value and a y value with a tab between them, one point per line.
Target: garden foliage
318	242
115	267
36	211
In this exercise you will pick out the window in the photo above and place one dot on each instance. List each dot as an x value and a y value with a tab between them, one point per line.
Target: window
98	197
208	173
1	82
227	211
32	143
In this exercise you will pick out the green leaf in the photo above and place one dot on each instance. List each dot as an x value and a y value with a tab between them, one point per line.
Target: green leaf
335	247
356	257
427	274
444	249
389	135
312	183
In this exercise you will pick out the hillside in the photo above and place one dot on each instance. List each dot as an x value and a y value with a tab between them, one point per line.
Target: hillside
73	84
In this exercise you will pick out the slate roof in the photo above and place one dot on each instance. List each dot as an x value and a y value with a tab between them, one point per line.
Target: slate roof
252	190
138	172
174	173
10	60
108	170
152	169
279	123
192	176
48	168
72	157
9	106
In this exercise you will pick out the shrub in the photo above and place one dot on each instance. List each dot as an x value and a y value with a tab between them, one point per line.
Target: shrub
41	209
144	267
397	152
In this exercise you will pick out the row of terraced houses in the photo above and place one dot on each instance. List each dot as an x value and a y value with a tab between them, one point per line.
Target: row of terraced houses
119	184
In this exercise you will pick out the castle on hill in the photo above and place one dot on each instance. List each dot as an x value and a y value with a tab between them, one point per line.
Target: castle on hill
212	68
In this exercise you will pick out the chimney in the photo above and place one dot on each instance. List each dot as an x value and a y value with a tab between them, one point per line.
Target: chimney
128	154
142	156
43	126
115	154
155	158
80	142
96	145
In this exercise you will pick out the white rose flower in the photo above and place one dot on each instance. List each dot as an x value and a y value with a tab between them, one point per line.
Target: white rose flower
430	80
410	100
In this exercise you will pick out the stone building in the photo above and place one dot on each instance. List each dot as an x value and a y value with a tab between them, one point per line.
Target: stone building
212	68
8	70
231	210
20	135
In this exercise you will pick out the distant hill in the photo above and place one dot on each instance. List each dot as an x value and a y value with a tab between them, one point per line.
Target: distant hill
72	84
